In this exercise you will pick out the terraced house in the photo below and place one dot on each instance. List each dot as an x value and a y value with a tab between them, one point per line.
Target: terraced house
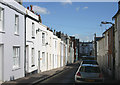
12	34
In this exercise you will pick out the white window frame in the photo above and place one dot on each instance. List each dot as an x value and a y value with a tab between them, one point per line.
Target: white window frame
16	57
32	57
1	19
33	30
43	38
43	58
16	24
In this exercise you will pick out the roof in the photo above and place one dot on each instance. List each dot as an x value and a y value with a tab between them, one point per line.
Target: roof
99	38
89	65
89	60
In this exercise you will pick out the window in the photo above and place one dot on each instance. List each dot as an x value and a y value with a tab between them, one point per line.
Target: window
16	57
33	30
55	44
43	58
1	19
43	38
16	24
32	57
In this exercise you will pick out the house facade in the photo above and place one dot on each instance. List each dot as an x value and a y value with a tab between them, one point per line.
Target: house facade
117	42
12	28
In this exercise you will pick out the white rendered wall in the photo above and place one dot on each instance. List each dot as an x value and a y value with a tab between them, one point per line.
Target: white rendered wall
9	39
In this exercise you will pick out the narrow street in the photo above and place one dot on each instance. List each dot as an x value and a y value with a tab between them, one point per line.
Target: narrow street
64	77
67	77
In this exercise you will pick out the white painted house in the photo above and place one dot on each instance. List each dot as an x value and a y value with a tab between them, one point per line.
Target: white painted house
12	28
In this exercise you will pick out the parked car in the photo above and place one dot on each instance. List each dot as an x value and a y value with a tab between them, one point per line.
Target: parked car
94	62
88	73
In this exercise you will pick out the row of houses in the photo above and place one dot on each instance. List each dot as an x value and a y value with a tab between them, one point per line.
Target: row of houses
27	46
108	48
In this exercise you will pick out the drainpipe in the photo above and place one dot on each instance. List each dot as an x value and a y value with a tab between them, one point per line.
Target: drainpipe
25	49
113	51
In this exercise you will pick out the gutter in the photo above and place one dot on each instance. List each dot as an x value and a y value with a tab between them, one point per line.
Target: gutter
25	49
12	7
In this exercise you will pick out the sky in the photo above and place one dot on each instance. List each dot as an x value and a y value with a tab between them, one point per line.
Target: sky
79	19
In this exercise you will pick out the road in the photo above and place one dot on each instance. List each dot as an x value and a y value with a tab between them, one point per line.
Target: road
66	76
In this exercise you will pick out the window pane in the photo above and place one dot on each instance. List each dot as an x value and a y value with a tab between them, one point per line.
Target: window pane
16	24
16	57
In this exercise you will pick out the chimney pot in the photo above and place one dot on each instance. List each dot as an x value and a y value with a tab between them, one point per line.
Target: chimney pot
31	7
28	8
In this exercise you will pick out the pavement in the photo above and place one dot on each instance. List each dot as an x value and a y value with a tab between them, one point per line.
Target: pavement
39	77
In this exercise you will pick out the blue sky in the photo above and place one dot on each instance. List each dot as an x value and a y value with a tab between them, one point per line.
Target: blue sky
81	19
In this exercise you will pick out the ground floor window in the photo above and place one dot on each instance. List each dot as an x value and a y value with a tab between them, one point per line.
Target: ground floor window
16	57
32	57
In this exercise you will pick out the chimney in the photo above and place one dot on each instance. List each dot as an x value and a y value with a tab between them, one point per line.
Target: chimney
40	18
28	8
31	8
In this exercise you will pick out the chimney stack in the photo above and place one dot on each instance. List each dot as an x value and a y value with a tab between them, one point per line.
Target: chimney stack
31	8
28	8
40	18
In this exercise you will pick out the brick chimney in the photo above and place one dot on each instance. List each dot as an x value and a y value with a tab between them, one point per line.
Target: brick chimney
28	8
40	18
31	8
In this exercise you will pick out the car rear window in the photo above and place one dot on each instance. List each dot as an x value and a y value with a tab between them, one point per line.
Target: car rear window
90	69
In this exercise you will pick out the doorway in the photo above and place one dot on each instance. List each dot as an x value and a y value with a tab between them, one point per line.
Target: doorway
1	61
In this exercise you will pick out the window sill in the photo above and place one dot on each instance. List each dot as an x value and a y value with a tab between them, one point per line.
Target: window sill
2	31
17	68
16	34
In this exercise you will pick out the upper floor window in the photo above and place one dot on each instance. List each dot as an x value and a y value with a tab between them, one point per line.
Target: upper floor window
1	19
16	24
43	38
33	30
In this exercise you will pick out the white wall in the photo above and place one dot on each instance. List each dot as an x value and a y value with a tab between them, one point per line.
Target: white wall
9	39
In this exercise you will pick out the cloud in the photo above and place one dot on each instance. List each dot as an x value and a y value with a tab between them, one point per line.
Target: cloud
77	9
40	10
67	2
85	7
84	37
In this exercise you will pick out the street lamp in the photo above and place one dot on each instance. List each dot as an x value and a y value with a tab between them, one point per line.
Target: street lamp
106	23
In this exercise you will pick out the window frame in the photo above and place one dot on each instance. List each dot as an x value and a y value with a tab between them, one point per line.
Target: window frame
15	49
2	19
16	29
33	30
43	38
32	57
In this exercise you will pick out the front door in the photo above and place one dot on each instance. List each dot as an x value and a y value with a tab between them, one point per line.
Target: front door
1	61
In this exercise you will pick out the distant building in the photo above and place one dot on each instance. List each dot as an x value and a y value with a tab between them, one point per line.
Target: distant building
85	48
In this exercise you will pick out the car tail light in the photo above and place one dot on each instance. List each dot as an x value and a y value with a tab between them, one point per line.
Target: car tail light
78	74
100	75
